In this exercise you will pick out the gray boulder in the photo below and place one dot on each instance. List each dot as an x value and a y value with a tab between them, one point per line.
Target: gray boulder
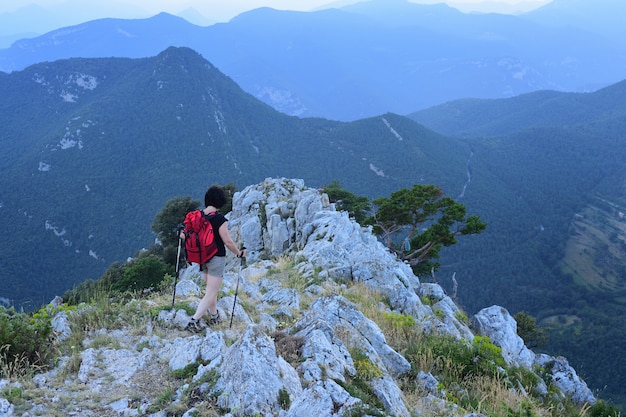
501	327
324	398
252	376
566	379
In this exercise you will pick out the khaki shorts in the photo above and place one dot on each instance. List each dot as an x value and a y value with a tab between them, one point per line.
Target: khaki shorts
215	266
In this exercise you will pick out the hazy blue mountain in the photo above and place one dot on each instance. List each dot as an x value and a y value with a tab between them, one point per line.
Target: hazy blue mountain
364	59
31	18
36	19
476	117
102	38
605	17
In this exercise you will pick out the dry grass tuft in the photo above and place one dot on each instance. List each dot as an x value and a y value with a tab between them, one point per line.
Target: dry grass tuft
289	347
491	396
17	367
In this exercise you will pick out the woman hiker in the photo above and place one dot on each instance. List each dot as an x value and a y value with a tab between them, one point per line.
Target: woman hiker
213	271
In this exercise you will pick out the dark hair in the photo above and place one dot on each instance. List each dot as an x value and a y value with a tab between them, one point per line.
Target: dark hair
215	196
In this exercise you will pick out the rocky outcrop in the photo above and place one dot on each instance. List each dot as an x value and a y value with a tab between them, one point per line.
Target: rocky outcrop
291	353
500	326
566	379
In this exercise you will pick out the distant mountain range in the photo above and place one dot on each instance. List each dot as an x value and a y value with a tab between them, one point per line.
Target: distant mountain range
372	57
93	148
466	117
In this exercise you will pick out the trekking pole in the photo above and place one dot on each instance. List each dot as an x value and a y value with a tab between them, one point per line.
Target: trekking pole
178	230
236	290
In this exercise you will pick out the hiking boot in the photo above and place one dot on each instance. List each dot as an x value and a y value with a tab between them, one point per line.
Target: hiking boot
215	319
194	326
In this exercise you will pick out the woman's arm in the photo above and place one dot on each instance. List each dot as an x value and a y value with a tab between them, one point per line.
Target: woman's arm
228	241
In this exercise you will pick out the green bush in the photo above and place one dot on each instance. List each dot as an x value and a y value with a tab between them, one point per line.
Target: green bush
456	360
359	386
142	274
283	399
187	372
602	409
527	329
400	320
487	356
366	370
356	206
23	339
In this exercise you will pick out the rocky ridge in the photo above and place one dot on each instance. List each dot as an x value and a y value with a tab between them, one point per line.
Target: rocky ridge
297	338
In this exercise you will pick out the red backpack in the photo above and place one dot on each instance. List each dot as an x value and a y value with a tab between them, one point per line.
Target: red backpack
200	245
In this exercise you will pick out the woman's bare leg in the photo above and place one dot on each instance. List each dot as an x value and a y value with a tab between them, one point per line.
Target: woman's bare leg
209	301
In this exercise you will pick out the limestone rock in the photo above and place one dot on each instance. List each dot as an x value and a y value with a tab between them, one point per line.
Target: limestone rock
500	326
566	378
252	374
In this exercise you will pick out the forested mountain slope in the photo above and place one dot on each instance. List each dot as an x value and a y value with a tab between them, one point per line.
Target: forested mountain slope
94	147
475	117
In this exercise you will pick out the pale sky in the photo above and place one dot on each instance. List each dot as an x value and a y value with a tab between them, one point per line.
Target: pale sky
224	10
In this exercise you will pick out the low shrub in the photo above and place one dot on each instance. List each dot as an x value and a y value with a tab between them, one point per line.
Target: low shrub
23	341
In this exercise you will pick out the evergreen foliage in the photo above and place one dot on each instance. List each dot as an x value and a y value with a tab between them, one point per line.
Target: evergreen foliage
229	189
146	272
168	221
527	329
416	223
357	206
143	273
